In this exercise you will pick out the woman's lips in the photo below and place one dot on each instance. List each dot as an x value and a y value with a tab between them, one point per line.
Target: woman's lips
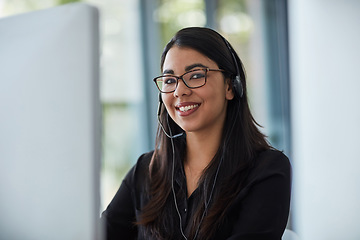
185	109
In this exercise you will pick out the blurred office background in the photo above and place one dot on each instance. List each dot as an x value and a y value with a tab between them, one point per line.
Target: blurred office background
313	42
134	33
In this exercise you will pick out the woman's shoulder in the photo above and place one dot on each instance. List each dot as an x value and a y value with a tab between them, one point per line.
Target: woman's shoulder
270	162
272	156
143	161
139	172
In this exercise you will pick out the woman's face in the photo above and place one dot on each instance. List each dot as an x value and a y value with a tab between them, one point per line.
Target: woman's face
201	109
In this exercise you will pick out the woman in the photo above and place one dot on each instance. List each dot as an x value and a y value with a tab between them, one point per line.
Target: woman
212	174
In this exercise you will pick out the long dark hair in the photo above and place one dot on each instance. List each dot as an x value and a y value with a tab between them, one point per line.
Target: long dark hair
241	142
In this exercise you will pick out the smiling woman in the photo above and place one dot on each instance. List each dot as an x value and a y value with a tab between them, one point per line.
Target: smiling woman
212	174
210	99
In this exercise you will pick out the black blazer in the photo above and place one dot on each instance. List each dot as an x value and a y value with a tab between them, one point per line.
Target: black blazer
260	211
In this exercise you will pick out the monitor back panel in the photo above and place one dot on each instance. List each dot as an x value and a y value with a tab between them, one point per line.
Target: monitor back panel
50	124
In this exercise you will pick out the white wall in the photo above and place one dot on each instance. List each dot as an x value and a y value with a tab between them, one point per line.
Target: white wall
325	93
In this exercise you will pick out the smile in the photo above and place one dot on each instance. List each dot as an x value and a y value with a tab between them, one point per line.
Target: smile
187	108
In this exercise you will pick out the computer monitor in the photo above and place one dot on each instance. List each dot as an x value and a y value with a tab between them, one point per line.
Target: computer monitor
50	124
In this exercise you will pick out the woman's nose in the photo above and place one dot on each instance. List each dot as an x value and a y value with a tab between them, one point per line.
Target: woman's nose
181	89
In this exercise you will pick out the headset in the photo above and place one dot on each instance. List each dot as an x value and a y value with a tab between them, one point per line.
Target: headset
169	135
236	81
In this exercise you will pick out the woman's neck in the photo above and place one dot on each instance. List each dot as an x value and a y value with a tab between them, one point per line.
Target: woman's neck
200	150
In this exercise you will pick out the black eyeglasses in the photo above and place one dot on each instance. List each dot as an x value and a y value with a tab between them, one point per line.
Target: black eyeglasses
192	79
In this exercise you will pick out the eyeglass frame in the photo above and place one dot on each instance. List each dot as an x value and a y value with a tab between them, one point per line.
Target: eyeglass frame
181	77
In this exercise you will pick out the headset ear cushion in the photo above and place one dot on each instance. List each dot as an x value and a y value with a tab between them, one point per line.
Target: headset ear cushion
238	86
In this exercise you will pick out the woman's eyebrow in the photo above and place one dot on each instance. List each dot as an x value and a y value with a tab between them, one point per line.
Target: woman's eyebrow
187	68
168	71
195	65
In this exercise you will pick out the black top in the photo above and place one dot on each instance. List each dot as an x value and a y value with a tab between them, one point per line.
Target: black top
260	211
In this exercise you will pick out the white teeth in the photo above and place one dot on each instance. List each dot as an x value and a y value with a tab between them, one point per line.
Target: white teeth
187	108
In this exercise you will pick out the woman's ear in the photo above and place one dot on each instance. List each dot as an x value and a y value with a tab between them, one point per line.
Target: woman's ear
229	91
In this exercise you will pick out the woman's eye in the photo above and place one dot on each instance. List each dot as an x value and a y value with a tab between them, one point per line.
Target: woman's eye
197	76
169	80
